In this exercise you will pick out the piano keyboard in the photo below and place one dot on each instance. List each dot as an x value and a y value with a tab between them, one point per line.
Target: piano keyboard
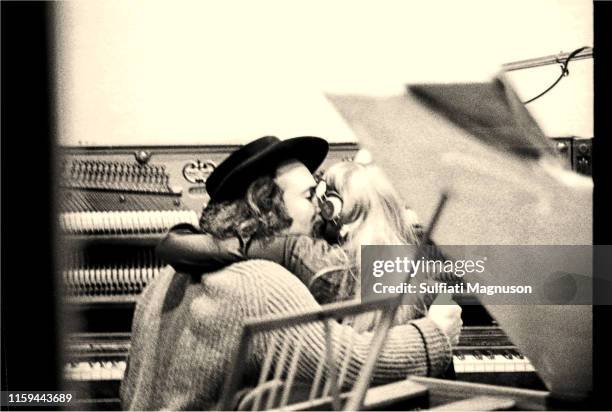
490	361
106	360
485	354
97	356
464	363
95	371
124	222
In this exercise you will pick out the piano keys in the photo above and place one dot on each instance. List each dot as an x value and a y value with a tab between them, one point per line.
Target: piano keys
466	360
94	368
488	349
504	360
98	360
108	370
485	354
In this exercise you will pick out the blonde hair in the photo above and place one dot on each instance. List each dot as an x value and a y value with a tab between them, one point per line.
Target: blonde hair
372	211
372	214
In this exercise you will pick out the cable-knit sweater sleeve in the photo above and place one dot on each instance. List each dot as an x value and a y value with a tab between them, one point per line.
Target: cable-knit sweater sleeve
404	352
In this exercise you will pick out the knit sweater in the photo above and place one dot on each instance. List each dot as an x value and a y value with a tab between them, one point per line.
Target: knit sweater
187	327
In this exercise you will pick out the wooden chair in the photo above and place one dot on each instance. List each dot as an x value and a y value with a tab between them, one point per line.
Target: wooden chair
278	386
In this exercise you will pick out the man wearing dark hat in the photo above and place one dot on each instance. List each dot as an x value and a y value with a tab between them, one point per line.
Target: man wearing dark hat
186	325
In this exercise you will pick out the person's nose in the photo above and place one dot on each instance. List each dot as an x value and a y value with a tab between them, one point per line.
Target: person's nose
316	210
315	206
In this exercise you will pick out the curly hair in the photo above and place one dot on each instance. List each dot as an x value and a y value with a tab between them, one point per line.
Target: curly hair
260	213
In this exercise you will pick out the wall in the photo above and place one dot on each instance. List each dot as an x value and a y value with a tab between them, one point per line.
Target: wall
194	72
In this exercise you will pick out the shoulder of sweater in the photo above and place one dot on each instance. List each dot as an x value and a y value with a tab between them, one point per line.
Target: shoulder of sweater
259	272
267	272
273	283
261	287
257	267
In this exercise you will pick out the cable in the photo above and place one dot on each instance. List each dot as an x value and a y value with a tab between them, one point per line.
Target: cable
564	72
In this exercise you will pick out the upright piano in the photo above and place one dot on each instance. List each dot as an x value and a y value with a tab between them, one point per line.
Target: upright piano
115	204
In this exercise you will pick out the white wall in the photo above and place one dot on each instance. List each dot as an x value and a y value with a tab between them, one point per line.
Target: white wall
194	72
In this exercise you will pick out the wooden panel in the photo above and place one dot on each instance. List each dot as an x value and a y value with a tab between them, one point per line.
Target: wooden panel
445	391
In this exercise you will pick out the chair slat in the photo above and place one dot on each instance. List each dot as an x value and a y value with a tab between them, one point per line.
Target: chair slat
278	372
291	374
265	371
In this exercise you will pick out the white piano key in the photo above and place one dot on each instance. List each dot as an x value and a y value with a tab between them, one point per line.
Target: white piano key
62	222
82	280
469	364
459	364
82	371
95	221
509	366
105	279
131	278
88	275
106	226
130	223
144	222
114	279
96	371
66	219
88	219
114	223
70	222
149	274
166	220
77	222
528	366
120	218
147	219
134	222
499	363
121	275
116	373
106	373
98	282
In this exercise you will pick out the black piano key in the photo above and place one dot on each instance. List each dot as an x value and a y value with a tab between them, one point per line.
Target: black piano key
489	354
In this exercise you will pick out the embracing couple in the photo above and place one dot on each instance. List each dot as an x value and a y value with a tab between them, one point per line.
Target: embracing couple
274	241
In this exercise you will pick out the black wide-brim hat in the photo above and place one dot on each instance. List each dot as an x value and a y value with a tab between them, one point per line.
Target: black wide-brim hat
261	157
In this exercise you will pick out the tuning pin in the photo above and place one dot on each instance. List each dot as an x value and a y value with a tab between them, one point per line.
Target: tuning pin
105	174
76	169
